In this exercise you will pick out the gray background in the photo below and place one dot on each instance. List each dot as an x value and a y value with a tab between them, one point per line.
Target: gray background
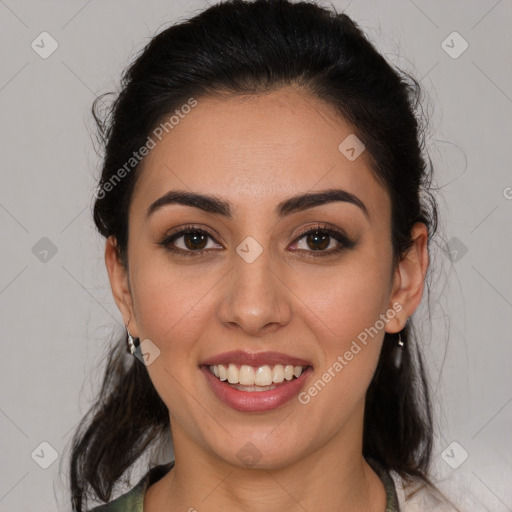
57	311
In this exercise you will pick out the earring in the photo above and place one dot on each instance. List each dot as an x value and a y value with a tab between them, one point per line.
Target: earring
133	343
398	352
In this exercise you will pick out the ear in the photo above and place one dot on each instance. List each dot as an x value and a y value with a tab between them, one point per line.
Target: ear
119	283
409	278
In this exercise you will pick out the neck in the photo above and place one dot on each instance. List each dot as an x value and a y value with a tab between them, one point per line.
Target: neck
334	477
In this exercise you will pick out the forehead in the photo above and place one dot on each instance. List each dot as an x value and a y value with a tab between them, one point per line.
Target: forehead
258	149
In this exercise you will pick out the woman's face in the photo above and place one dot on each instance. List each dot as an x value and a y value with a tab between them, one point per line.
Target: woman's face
254	283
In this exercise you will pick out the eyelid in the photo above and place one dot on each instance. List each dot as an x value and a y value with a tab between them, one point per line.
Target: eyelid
322	226
187	228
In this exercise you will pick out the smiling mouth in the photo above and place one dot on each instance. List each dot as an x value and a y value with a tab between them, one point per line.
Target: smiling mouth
256	378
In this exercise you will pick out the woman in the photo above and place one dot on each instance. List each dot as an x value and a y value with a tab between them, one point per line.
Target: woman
265	201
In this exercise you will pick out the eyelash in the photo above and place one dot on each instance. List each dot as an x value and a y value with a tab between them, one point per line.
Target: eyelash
338	235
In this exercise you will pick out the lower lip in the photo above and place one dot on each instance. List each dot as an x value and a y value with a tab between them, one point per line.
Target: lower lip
256	401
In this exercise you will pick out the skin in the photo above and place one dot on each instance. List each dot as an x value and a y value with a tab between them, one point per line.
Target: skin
254	152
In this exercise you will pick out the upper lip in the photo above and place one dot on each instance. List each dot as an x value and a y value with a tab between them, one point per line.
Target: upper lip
255	359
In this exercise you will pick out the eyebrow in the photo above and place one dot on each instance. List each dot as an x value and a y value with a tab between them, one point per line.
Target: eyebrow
215	205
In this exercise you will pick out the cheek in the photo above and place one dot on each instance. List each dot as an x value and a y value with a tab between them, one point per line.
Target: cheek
172	303
349	338
174	307
346	299
347	312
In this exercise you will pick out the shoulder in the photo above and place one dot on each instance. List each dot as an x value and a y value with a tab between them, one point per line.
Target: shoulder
133	500
415	495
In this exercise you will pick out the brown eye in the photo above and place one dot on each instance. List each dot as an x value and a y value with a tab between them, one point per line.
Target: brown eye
189	241
318	241
195	240
323	240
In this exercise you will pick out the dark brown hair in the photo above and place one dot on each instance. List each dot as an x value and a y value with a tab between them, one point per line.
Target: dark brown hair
249	47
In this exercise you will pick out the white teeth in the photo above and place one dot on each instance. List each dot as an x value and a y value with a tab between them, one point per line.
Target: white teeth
288	372
248	375
222	371
263	376
233	374
253	388
278	373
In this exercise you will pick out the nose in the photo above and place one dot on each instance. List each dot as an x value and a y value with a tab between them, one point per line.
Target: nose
255	300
